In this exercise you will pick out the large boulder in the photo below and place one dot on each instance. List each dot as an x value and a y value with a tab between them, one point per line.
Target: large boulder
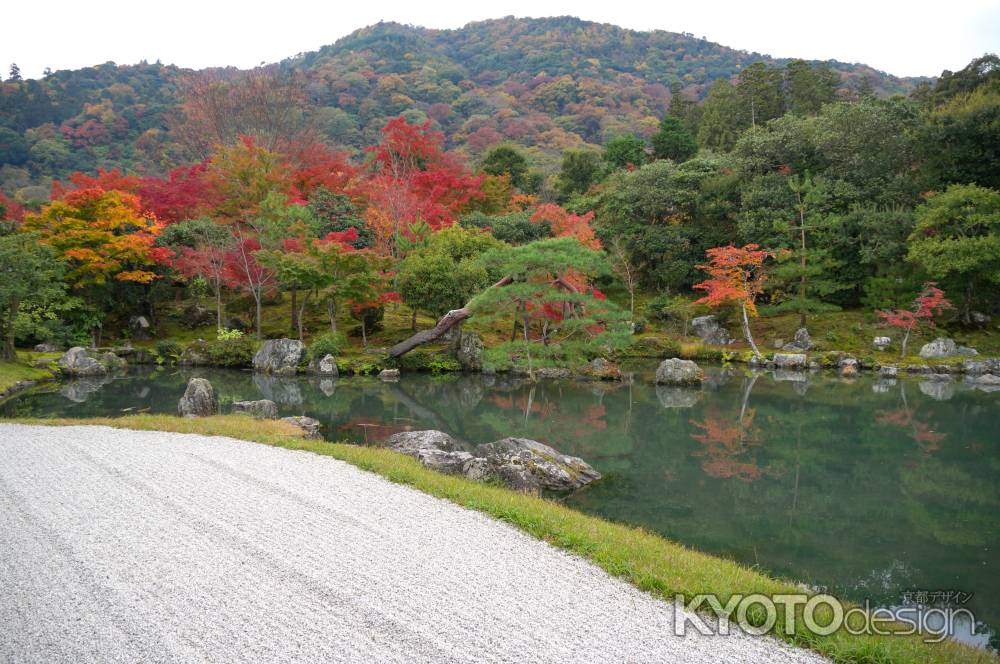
310	426
279	356
324	366
79	361
792	361
389	375
470	352
707	328
262	409
140	327
434	449
599	369
679	372
198	400
978	368
802	341
944	347
528	465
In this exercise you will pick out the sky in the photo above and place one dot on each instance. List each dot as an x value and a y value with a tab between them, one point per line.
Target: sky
906	38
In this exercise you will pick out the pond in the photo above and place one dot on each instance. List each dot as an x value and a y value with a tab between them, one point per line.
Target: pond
871	489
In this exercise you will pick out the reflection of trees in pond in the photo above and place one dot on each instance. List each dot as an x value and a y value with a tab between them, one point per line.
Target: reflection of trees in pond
728	445
905	418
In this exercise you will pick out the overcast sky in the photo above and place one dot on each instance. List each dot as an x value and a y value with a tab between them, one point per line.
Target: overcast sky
907	38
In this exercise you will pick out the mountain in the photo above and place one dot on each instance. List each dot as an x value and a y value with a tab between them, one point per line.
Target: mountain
548	84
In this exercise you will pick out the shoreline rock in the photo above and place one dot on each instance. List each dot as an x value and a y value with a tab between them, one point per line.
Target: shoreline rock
280	357
199	399
675	371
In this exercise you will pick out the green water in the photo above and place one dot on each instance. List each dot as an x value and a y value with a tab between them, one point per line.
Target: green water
868	489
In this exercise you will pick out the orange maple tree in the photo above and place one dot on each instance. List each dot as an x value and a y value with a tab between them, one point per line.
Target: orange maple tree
736	276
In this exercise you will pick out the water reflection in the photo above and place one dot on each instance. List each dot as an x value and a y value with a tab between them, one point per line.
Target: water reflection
868	487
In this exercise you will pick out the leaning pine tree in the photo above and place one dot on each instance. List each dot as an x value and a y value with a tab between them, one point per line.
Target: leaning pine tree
736	276
559	320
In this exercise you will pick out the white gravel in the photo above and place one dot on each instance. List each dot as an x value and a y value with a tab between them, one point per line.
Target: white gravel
128	546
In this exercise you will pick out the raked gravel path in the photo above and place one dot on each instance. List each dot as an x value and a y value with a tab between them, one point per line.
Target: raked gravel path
128	546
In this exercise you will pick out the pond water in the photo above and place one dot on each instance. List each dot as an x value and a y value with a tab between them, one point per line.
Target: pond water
871	489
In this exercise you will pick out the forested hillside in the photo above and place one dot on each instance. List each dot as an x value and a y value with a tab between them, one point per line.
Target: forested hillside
596	175
546	84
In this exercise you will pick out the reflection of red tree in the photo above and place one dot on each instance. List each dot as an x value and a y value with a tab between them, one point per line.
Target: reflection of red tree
905	418
726	440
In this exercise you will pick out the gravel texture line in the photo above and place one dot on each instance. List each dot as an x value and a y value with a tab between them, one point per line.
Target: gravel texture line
136	546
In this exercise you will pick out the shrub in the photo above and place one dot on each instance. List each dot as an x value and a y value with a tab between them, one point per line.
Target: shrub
233	352
226	334
327	344
168	350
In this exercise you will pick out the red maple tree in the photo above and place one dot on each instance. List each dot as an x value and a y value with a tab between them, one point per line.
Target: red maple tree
930	303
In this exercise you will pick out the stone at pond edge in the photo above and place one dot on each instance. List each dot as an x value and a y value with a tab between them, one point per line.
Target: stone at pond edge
434	449
790	361
198	400
324	366
77	361
975	368
470	352
599	369
279	356
389	374
679	372
310	427
528	465
707	328
262	409
888	371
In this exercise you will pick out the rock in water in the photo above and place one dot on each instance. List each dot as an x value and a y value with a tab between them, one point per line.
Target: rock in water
78	361
324	366
679	372
470	352
198	400
310	426
795	361
389	374
888	371
529	465
801	342
279	356
976	368
263	409
435	449
707	328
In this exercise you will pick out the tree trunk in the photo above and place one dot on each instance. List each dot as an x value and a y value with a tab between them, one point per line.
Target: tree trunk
413	320
301	314
218	307
364	333
295	309
9	352
906	340
443	325
331	311
746	331
802	281
257	297
967	306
